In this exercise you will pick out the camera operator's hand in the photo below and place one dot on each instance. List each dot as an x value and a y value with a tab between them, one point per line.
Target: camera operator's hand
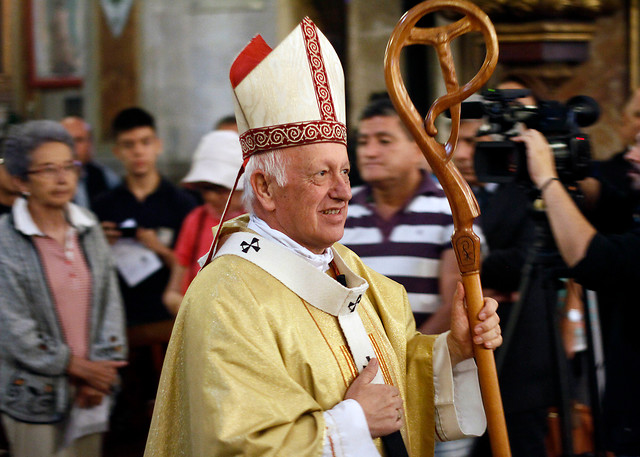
571	230
540	160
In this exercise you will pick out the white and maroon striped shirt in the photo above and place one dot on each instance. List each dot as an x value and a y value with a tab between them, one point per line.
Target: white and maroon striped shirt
407	248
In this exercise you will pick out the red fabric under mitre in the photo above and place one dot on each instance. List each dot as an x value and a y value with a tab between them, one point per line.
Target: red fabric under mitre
248	59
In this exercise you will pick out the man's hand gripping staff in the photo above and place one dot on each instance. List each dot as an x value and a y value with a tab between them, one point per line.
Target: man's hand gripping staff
463	203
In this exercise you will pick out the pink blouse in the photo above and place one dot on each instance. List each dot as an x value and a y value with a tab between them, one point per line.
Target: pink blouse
69	280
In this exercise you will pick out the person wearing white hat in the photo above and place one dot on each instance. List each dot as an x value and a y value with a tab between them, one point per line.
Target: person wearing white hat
213	172
286	344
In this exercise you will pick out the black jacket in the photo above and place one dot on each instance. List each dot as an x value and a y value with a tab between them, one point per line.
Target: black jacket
527	379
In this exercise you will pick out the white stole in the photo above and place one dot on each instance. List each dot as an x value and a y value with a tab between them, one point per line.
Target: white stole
311	285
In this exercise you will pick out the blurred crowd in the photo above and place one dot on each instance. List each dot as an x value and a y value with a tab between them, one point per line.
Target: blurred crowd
94	267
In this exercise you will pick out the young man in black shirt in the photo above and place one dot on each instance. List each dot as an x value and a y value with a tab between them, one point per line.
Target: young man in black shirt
143	215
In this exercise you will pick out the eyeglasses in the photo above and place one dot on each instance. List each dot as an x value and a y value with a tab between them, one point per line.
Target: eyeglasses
52	171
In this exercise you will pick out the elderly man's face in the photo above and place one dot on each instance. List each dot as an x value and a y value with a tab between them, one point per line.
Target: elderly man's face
77	128
312	207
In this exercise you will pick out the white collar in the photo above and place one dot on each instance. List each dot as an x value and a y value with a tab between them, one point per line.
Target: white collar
319	261
297	274
24	222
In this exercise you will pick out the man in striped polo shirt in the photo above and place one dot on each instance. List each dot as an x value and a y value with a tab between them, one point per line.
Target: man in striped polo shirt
400	221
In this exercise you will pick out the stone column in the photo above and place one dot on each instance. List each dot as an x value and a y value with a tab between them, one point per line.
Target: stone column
370	23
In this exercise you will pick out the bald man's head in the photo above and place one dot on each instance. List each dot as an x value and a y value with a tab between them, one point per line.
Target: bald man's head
80	131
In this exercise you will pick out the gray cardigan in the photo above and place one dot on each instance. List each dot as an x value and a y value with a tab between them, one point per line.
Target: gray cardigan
34	386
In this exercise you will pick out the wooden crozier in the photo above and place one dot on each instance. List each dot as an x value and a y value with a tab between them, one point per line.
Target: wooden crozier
463	203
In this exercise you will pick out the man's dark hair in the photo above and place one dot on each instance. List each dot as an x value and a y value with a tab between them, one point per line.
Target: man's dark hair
131	118
379	105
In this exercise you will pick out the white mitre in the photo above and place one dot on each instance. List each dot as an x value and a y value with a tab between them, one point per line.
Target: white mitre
291	95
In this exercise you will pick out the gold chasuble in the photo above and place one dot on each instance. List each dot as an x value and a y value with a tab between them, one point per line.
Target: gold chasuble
251	366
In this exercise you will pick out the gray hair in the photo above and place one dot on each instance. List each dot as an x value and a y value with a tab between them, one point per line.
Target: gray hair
25	138
272	163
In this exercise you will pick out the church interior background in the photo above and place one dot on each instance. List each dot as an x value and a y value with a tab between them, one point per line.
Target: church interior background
94	58
172	58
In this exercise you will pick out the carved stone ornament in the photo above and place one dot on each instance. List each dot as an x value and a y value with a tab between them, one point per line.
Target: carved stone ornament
546	31
535	10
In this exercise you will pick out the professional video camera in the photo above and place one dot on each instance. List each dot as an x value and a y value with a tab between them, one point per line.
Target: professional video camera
505	160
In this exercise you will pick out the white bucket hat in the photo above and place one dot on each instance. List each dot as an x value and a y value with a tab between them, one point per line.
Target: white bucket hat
217	160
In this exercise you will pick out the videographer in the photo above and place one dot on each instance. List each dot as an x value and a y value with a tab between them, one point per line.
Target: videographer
527	378
609	265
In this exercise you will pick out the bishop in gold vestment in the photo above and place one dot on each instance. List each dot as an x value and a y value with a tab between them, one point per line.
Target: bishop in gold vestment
272	349
251	366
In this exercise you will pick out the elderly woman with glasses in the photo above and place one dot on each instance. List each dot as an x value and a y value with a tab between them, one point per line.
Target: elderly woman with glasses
62	334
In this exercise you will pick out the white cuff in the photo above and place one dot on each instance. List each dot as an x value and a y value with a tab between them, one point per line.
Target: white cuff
347	432
459	412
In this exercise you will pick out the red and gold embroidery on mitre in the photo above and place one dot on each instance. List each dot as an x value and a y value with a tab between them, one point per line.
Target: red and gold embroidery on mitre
291	95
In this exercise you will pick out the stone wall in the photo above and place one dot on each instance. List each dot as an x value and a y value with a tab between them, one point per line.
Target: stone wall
186	53
605	78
